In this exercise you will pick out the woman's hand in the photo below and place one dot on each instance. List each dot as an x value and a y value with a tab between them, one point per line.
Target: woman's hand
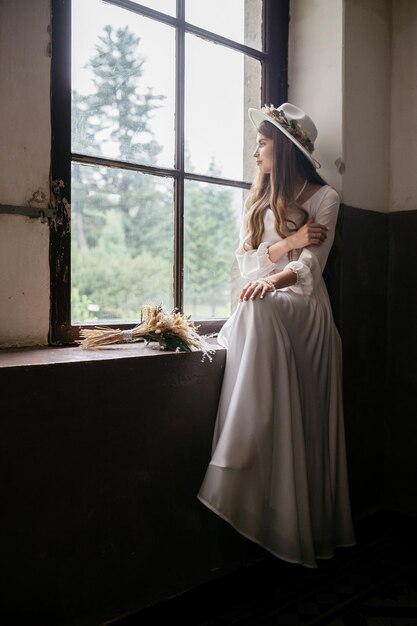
309	234
256	288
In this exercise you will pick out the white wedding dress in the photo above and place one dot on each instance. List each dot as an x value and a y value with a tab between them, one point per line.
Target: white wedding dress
278	471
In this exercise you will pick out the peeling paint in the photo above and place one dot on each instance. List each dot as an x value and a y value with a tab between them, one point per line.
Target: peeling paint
62	208
67	212
38	198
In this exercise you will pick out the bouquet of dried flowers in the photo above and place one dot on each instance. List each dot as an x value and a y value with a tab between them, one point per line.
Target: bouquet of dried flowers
173	331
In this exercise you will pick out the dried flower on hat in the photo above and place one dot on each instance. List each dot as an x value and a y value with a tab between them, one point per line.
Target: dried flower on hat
292	127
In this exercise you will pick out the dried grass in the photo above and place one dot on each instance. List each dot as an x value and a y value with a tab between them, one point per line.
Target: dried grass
172	330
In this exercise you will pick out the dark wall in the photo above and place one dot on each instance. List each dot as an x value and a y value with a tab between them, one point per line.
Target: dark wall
371	282
400	451
101	464
362	323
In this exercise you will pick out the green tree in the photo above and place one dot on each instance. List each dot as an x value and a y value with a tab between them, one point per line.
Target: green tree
115	283
122	231
87	218
210	233
120	105
114	121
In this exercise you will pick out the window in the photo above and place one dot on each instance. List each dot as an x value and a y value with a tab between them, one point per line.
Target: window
151	151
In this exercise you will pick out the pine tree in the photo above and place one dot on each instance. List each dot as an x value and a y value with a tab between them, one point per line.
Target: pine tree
114	121
121	105
122	253
210	230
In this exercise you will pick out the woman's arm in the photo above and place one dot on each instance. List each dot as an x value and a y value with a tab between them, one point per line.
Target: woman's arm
312	260
262	261
309	234
253	262
302	275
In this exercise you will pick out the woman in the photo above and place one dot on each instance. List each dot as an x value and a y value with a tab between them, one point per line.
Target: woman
278	469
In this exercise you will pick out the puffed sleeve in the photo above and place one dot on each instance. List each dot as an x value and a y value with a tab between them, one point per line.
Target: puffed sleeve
312	260
253	262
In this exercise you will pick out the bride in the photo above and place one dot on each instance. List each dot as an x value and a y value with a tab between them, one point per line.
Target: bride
278	472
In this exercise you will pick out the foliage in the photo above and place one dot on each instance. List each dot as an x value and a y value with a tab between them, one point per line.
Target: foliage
117	281
122	221
210	239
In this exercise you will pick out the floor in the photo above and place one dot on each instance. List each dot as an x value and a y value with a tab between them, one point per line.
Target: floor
373	583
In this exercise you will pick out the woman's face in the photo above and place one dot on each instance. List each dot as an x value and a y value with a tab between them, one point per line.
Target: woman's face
264	153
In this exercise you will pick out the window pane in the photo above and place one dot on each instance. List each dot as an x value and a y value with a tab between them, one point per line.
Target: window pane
123	85
212	215
218	132
165	6
240	20
121	244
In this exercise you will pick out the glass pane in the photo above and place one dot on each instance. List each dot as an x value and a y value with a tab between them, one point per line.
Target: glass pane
123	85
239	20
218	132
121	243
165	6
212	216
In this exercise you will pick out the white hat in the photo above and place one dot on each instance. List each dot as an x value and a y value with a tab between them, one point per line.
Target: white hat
293	122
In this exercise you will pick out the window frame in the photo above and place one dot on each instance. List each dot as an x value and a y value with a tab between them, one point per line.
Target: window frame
274	88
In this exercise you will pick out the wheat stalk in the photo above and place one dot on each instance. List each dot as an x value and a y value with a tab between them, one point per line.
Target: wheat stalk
173	331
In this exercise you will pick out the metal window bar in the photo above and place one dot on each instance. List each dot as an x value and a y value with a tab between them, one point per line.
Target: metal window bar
274	88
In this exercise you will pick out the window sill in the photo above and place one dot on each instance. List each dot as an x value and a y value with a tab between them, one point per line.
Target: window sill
67	335
49	355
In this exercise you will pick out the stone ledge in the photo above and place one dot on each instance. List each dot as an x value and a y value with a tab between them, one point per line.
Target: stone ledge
49	355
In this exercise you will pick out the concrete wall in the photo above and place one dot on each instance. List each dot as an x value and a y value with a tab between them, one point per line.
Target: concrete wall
366	103
315	75
340	73
24	170
24	281
374	59
404	106
353	68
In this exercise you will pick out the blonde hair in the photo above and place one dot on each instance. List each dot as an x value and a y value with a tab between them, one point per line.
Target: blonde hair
277	190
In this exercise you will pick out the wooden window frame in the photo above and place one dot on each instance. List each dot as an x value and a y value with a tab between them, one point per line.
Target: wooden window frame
274	60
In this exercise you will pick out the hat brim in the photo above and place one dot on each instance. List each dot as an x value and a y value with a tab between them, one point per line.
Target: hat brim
257	117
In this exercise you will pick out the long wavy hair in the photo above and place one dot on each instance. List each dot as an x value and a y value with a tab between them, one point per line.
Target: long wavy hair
277	190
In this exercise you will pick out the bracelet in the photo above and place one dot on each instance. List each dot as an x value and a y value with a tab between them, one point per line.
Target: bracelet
270	283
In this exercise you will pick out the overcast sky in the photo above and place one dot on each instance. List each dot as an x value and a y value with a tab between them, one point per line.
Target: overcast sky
214	75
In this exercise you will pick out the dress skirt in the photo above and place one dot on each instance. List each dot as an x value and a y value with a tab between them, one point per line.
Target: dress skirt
278	472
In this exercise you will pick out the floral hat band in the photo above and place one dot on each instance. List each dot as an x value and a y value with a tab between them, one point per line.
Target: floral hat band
292	126
293	122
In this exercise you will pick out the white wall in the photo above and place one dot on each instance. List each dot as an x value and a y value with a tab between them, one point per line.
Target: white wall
315	75
403	195
24	281
366	103
24	170
340	73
